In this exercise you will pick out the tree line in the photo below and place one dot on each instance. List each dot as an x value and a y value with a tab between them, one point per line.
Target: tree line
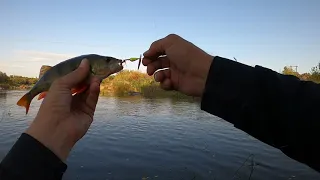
134	81
16	82
313	75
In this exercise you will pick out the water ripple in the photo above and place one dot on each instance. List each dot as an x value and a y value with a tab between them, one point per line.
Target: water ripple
134	138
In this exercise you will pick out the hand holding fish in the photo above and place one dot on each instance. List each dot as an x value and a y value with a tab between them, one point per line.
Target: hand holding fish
188	65
63	119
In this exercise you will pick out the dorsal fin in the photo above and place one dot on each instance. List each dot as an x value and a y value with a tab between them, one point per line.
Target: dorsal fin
44	69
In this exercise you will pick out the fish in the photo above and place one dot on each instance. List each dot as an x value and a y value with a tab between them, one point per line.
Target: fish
100	67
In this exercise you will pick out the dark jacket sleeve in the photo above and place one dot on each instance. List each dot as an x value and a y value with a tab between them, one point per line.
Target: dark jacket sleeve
279	110
29	159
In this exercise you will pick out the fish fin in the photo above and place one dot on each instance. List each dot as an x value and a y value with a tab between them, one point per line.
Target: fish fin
79	89
42	95
25	102
44	69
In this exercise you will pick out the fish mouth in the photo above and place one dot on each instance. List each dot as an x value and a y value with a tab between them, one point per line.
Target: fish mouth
120	68
121	62
115	67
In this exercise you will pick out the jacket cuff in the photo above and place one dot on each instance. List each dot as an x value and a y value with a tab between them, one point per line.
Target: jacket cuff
30	158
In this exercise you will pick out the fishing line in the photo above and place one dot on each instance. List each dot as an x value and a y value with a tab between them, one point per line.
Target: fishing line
253	165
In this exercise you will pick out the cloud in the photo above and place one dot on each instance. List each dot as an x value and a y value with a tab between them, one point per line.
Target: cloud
39	56
5	65
29	62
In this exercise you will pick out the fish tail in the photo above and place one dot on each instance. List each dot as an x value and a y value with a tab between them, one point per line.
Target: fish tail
25	102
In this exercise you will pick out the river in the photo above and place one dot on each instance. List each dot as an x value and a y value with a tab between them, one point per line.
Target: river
137	138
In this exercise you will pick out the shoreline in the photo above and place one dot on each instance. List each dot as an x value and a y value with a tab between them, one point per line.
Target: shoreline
124	84
167	95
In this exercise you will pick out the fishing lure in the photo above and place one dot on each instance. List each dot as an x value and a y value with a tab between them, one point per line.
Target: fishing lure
132	60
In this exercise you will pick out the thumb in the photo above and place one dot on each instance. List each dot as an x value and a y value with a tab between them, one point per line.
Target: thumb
75	77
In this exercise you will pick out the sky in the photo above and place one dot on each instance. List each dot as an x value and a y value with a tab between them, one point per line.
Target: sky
271	33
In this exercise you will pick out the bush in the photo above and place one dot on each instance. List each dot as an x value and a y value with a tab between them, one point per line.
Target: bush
314	74
127	83
16	82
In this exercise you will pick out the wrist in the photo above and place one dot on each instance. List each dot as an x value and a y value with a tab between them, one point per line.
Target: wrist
53	138
204	69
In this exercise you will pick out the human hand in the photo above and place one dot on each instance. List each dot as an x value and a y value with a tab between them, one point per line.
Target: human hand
64	119
188	65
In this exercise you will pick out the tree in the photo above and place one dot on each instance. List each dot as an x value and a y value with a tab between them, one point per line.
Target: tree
305	76
289	71
3	77
315	73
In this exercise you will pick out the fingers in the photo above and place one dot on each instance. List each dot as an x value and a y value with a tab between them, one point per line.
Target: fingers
75	77
93	96
161	75
87	102
166	84
160	63
159	48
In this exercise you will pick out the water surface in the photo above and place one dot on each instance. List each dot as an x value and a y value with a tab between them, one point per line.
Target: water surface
162	139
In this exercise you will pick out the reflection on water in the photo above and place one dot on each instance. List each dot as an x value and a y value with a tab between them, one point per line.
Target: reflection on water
3	105
135	138
3	95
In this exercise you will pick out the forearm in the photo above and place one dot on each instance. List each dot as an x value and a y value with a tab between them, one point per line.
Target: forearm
29	159
276	109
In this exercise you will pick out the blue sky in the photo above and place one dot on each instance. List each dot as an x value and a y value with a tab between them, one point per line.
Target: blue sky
268	33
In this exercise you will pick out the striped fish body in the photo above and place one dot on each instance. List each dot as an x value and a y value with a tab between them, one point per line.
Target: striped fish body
100	66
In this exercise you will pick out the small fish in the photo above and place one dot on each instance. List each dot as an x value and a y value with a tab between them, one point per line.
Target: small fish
100	66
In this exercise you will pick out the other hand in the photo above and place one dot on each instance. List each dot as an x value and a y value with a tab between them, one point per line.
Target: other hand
188	65
64	119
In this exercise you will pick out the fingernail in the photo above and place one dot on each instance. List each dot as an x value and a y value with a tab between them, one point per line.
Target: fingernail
145	52
155	77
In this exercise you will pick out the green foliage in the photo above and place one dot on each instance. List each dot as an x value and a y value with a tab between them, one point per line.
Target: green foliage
289	71
3	77
314	74
16	82
126	83
154	90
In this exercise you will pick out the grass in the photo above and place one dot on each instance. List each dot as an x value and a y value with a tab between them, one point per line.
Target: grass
127	83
